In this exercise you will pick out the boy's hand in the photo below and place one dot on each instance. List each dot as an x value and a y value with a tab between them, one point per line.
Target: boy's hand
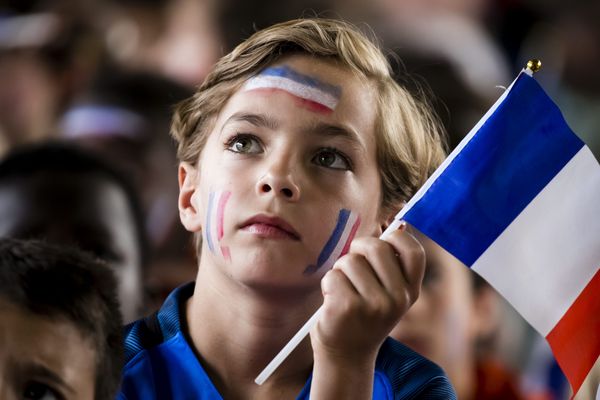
365	295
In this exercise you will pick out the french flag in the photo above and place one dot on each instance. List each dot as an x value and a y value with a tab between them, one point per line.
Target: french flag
518	201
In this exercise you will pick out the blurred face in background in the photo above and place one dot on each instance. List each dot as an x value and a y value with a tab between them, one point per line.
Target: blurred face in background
85	210
447	318
29	96
43	358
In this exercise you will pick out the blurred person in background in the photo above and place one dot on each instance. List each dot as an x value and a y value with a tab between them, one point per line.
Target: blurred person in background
436	81
568	44
451	30
178	39
239	19
40	69
124	117
453	323
66	196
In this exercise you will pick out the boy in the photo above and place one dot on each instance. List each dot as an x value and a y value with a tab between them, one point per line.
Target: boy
60	333
298	142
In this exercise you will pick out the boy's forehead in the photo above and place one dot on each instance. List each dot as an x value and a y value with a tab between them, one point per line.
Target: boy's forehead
310	70
321	84
325	96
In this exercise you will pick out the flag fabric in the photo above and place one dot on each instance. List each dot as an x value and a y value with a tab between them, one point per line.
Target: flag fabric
518	201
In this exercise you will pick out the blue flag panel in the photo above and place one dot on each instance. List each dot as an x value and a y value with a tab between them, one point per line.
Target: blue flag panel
512	157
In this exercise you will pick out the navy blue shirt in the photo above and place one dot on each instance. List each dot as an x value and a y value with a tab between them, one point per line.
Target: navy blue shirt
160	363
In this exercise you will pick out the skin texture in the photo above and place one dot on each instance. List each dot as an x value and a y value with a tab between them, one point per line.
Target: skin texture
84	210
43	358
283	166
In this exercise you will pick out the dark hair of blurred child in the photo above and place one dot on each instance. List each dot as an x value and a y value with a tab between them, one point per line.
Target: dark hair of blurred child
60	326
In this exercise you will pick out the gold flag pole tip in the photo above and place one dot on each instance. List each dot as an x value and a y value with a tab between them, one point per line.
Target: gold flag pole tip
534	65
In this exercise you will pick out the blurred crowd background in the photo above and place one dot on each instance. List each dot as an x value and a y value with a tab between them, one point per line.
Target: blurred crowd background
101	77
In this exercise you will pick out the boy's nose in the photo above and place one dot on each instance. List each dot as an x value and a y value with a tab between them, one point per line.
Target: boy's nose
278	185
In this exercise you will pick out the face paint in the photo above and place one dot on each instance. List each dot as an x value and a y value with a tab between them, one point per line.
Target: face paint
214	223
339	241
317	95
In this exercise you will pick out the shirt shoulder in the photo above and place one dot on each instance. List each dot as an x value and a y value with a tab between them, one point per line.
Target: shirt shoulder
410	375
159	327
160	363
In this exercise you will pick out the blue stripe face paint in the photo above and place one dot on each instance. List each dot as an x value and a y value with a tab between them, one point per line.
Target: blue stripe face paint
338	243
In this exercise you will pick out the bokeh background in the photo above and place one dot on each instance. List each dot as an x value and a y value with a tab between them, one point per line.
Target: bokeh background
105	74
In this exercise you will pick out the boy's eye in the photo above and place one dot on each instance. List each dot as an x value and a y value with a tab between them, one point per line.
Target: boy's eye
246	144
332	158
39	391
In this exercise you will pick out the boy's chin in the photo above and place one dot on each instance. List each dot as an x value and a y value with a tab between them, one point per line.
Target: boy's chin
272	278
283	291
269	262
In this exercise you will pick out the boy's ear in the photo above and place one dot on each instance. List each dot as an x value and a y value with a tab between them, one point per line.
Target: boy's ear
189	215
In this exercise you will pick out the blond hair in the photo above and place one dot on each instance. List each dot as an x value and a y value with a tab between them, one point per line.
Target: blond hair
409	144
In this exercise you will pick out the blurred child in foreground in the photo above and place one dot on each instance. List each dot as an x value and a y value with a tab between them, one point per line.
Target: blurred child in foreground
60	333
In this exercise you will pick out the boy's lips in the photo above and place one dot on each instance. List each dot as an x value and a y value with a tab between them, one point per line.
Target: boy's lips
270	227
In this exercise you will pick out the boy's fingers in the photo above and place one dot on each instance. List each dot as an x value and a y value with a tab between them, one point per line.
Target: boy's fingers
403	253
360	274
412	259
336	283
380	255
339	294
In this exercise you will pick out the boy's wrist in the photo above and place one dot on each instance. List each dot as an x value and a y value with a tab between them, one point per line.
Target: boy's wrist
361	362
336	376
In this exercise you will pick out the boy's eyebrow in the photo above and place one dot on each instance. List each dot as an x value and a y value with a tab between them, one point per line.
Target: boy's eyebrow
324	129
320	128
258	120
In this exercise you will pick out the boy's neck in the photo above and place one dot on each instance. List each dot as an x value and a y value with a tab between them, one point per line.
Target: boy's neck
249	326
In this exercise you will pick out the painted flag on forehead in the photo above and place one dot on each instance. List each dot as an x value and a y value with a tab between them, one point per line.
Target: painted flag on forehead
518	201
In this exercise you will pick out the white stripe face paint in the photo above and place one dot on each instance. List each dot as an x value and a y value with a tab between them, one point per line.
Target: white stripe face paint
323	96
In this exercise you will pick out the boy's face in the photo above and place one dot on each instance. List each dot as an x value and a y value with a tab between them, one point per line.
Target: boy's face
288	175
41	358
